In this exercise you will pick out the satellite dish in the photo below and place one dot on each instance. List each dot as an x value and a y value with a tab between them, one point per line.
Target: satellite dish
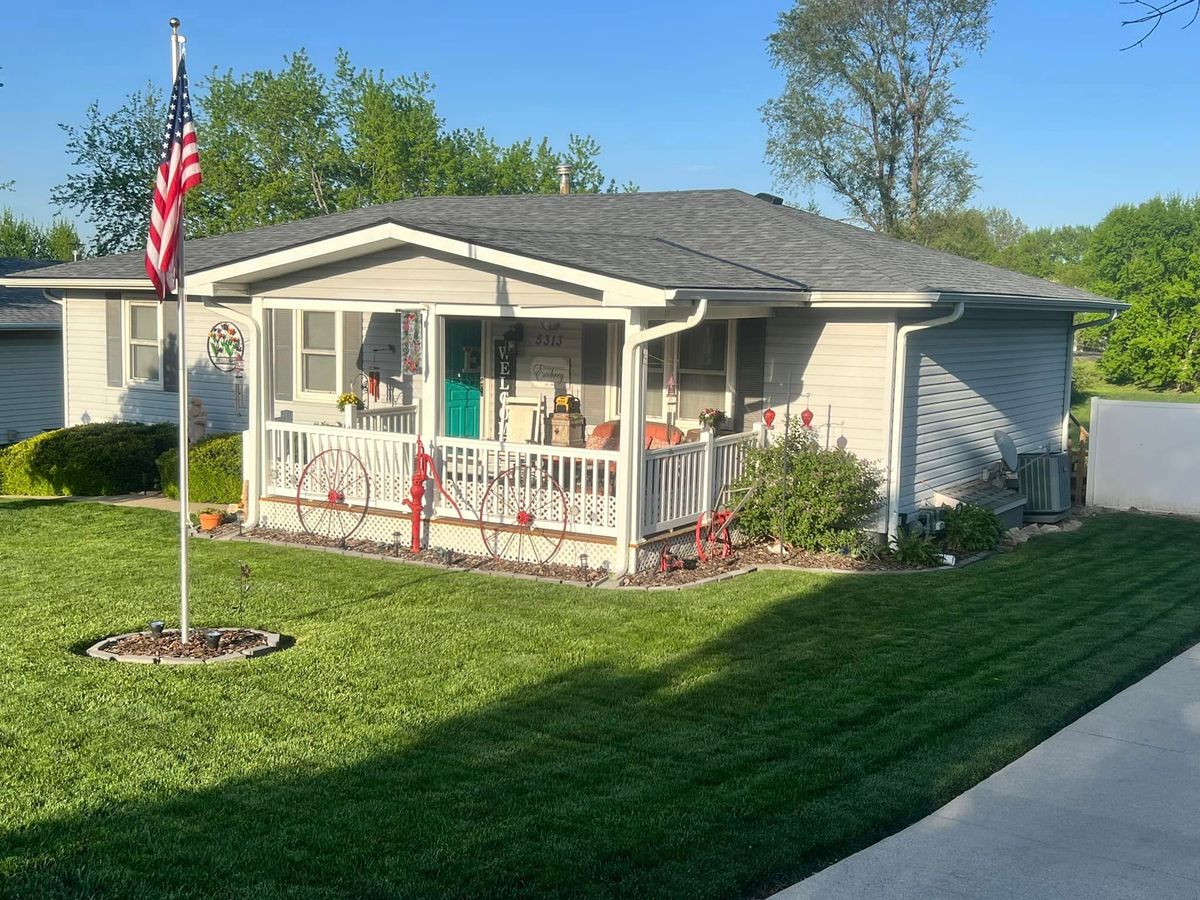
1008	449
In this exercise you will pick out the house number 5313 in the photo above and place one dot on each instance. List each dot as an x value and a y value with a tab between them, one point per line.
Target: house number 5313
548	340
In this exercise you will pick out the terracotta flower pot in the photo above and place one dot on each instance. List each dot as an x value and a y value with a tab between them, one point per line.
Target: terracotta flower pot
209	521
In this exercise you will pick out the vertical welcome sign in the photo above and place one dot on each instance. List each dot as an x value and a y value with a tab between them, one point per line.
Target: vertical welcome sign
504	375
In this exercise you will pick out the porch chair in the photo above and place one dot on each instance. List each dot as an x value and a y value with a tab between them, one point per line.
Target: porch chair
526	419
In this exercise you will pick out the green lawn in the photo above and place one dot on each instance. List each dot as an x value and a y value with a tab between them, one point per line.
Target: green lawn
1094	385
437	734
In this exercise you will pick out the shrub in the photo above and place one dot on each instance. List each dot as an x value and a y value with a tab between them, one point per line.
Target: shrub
811	498
214	470
912	548
87	460
970	529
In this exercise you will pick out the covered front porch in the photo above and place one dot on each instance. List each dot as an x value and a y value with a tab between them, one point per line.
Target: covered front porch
520	417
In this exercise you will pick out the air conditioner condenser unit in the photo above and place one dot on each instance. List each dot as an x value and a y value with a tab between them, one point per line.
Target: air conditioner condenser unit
1045	480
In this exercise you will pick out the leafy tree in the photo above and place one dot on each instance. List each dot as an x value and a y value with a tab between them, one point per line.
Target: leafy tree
114	157
1053	253
26	239
289	144
1149	256
868	107
974	233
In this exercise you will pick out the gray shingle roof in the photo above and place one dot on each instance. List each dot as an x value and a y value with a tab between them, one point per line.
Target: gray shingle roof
709	238
26	308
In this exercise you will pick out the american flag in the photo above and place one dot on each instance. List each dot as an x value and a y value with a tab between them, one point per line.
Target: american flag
178	173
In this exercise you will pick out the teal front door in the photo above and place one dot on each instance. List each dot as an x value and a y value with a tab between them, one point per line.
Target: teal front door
464	346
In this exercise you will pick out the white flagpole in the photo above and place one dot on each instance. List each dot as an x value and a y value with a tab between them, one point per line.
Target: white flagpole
182	382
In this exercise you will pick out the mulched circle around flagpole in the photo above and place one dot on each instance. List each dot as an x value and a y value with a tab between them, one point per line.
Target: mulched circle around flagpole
168	648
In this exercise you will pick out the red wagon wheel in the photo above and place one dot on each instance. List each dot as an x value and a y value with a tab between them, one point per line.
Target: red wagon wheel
712	535
523	516
333	495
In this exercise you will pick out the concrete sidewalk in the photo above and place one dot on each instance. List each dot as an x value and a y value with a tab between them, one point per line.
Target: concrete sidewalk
1107	808
151	500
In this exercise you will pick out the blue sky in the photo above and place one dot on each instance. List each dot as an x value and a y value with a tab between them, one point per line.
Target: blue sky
1064	125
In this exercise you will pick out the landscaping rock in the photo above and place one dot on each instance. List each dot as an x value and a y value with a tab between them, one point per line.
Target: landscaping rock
1071	525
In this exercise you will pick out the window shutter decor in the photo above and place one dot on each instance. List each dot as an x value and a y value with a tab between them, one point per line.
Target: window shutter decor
170	346
352	356
751	356
592	376
114	341
281	334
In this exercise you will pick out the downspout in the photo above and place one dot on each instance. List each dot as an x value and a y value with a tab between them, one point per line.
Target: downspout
1077	326
895	443
631	437
62	301
262	356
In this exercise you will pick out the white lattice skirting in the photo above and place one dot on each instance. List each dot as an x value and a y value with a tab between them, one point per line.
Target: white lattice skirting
452	534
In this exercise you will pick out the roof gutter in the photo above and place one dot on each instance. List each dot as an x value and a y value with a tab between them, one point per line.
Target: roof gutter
896	438
630	451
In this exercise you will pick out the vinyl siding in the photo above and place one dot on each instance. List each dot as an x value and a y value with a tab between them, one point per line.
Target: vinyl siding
987	371
93	400
31	379
412	275
838	362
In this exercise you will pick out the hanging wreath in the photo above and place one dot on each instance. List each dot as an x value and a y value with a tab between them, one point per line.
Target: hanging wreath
410	342
225	346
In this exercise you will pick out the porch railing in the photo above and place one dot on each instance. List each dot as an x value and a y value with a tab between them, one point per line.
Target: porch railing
466	468
588	478
387	458
390	419
679	482
682	481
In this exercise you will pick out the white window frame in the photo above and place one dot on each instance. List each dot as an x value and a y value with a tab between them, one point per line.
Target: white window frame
130	342
671	367
301	392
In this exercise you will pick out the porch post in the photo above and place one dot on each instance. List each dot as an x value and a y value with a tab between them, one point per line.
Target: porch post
254	466
630	461
431	378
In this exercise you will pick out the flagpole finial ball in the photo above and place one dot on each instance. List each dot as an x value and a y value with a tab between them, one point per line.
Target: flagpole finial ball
174	23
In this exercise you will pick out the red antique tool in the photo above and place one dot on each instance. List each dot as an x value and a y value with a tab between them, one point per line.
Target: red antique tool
423	469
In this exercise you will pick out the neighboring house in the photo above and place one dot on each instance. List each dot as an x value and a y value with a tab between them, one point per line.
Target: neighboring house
467	313
31	361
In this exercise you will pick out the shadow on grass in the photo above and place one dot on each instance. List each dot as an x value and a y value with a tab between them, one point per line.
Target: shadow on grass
809	731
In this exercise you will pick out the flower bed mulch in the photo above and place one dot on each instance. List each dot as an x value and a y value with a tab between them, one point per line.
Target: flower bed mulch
760	554
557	571
168	644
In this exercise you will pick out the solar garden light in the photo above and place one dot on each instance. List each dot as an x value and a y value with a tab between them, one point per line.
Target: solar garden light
212	639
156	628
397	537
583	565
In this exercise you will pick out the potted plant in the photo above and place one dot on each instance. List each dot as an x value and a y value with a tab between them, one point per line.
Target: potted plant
210	519
349	399
711	418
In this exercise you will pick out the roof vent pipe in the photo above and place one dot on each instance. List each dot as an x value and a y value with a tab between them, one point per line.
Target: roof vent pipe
564	179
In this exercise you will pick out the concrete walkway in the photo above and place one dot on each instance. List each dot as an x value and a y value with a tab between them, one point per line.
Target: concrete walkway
152	500
1107	808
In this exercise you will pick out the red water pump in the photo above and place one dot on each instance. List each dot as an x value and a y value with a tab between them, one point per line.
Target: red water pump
423	469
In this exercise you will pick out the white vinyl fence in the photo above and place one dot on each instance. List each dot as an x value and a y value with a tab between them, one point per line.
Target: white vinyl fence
1144	455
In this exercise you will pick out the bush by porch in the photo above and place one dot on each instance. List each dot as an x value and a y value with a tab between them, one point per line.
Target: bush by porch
472	736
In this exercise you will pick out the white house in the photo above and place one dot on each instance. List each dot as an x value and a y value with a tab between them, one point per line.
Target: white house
31	361
458	316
